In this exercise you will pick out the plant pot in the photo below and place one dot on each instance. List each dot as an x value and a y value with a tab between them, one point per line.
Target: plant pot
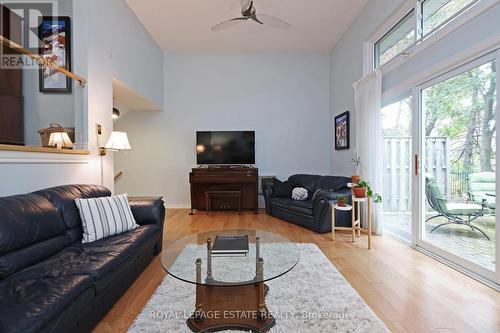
341	202
355	179
359	192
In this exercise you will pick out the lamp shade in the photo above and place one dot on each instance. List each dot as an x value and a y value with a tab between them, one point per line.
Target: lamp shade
118	141
60	140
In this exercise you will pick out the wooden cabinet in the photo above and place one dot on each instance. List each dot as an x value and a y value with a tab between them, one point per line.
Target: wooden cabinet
224	179
11	84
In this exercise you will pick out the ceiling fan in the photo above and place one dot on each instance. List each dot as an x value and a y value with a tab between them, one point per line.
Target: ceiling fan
248	12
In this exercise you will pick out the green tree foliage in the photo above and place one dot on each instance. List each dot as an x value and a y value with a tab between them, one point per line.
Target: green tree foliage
462	108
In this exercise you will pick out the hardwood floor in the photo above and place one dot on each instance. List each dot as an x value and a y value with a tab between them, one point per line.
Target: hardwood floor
409	291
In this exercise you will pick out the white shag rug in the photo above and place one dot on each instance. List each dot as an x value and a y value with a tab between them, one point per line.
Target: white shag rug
312	297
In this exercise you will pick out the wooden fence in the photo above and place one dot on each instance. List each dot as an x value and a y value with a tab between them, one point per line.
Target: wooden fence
398	170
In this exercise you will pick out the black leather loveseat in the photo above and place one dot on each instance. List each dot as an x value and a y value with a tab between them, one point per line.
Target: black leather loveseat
49	280
315	212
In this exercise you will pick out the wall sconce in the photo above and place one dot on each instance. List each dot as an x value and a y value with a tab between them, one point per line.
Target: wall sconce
116	113
117	141
60	140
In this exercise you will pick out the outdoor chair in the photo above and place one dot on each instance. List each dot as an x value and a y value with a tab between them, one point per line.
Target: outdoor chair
454	212
481	189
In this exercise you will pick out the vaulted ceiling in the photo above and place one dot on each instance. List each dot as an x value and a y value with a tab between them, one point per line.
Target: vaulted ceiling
184	25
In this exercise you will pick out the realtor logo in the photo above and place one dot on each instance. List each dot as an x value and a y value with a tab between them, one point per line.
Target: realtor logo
21	28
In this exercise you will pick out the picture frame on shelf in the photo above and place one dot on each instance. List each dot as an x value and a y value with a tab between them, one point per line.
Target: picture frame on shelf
54	33
342	131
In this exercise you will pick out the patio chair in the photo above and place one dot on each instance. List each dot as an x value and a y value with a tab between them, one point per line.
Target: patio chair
481	188
454	212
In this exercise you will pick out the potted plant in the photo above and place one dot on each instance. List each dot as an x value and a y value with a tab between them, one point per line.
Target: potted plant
341	201
356	160
362	189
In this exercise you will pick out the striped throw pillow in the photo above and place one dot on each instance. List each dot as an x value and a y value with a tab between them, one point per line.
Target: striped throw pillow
104	217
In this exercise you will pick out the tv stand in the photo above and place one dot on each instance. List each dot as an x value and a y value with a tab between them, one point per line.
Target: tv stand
224	178
228	166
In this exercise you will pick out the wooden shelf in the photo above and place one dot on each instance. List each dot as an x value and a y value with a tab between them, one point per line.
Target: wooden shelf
36	149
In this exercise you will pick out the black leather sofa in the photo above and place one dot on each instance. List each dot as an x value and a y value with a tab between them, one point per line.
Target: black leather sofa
315	212
49	280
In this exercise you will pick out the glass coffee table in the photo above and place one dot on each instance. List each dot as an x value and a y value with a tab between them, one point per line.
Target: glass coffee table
230	291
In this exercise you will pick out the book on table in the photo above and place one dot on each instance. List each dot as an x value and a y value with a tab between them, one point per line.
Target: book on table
230	246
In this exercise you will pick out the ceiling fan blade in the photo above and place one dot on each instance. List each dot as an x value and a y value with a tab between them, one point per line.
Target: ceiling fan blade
245	4
271	21
254	17
241	5
228	24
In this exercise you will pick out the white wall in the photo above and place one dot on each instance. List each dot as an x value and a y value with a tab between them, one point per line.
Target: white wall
347	68
100	54
137	60
347	61
283	97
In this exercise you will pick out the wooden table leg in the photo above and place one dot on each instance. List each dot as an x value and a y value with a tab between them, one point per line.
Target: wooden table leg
198	312
239	204
354	221
369	224
207	200
332	207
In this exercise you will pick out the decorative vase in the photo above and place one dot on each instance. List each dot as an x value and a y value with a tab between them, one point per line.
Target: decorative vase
355	179
359	192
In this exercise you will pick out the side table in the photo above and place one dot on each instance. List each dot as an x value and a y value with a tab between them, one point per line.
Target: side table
334	207
356	223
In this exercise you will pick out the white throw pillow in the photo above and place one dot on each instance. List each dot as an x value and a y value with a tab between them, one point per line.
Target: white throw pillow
299	193
105	216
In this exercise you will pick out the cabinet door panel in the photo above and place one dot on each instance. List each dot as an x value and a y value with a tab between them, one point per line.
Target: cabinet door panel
11	120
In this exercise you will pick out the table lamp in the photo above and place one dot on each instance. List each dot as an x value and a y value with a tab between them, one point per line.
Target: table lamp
60	140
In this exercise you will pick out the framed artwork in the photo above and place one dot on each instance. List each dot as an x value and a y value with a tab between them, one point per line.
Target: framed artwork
342	131
54	33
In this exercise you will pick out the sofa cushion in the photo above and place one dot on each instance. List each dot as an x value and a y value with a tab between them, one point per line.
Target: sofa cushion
300	193
63	198
304	207
332	183
104	217
104	260
282	189
279	202
27	303
306	181
31	230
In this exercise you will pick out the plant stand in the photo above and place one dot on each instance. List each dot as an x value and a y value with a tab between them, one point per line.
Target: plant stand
356	225
337	207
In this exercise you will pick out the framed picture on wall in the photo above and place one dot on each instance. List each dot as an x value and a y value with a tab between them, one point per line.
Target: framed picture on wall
54	33
341	126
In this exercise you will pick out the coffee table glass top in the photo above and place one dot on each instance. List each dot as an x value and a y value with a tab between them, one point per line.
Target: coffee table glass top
279	255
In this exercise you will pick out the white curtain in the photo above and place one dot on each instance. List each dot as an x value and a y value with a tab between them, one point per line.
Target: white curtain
369	141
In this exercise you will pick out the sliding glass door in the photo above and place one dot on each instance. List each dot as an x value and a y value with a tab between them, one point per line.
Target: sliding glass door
397	179
457	182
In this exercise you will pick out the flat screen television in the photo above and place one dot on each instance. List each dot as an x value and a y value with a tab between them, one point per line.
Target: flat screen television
225	147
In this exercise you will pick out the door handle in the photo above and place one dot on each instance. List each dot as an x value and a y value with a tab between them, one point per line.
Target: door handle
416	165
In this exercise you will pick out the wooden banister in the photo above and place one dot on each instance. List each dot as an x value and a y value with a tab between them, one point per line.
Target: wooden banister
41	60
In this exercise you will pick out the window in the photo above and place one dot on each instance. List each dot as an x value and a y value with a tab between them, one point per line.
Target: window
421	20
400	37
436	12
